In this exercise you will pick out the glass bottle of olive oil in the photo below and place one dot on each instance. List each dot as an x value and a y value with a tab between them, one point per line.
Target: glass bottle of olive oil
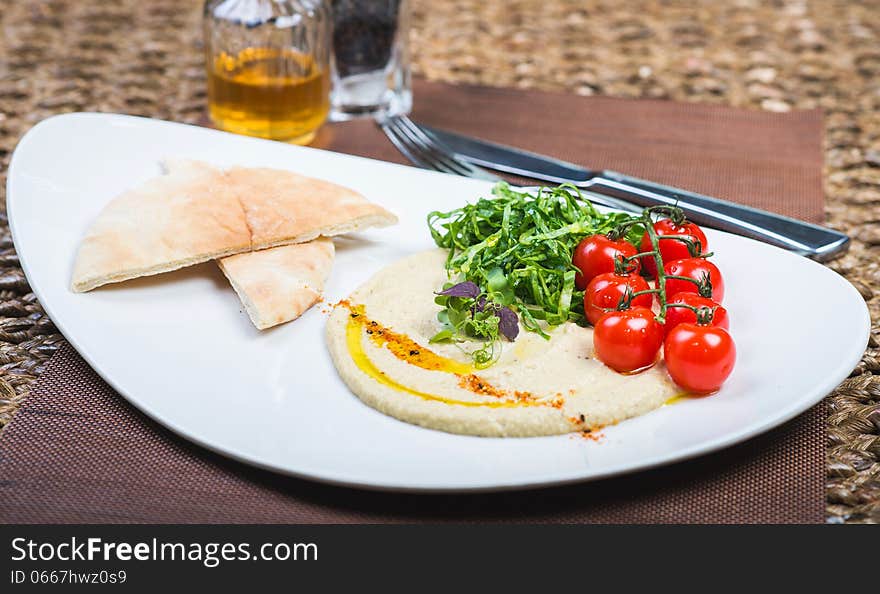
268	66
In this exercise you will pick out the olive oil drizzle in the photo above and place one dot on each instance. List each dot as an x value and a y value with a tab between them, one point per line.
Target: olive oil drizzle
678	398
406	349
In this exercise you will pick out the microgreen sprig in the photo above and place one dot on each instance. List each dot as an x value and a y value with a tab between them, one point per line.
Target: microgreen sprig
469	312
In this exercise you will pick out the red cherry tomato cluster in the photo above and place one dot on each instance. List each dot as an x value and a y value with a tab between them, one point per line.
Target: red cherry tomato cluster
691	325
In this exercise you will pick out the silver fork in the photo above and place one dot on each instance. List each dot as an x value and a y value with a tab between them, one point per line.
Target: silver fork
428	153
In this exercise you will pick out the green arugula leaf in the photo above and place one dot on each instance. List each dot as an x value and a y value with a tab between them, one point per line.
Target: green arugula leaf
517	247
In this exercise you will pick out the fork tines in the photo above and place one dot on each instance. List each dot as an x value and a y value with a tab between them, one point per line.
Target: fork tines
426	152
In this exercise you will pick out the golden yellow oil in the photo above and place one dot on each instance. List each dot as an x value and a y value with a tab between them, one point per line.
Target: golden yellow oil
353	335
267	92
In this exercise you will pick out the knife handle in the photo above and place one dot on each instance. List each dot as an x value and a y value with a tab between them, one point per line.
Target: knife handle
807	239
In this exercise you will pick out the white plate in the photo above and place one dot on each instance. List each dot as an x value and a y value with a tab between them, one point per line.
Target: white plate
179	347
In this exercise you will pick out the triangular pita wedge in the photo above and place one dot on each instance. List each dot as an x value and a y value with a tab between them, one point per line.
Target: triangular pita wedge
196	213
279	284
178	219
283	207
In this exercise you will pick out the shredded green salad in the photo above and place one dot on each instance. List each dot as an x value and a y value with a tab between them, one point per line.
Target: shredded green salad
524	241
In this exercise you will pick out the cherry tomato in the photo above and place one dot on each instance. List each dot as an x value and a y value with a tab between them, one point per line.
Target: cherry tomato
595	255
604	292
681	315
699	358
670	249
697	269
628	340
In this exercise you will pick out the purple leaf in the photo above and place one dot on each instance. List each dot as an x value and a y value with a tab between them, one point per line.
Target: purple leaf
508	322
465	289
479	306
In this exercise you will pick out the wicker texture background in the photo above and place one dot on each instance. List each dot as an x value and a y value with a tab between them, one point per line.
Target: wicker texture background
143	57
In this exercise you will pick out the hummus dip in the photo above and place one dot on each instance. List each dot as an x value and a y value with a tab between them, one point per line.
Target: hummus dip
379	342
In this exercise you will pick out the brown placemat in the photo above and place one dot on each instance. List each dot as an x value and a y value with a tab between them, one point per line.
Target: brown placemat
764	159
76	452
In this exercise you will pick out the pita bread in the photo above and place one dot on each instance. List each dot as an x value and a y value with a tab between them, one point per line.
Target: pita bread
279	284
283	207
195	213
184	217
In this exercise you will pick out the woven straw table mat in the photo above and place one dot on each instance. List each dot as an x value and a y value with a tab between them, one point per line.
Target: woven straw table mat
144	58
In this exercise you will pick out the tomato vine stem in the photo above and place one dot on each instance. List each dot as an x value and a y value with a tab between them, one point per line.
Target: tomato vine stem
704	314
648	221
695	248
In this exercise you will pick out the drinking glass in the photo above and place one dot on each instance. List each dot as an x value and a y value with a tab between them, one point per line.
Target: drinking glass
371	75
268	66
